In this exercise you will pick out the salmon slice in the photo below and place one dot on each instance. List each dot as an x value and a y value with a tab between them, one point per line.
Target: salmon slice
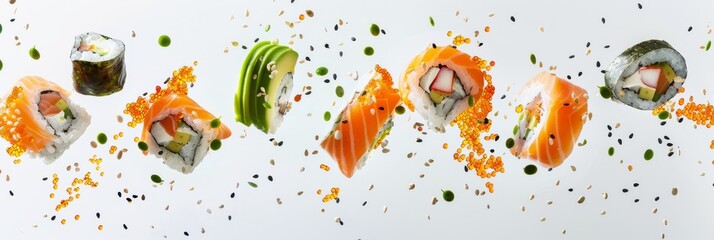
19	124
47	103
170	124
467	68
356	130
184	105
565	106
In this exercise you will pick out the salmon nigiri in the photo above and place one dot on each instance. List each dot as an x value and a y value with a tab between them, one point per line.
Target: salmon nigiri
551	121
38	116
442	82
181	132
363	124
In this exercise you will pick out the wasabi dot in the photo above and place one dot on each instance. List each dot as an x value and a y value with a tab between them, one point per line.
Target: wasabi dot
709	44
215	144
164	41
102	138
611	151
400	110
530	169
431	21
215	123
369	51
533	59
605	92
374	30
448	195
252	184
156	179
472	101
663	115
327	116
143	146
267	28
649	154
0	28
321	71
510	142
0	65
34	54
339	91
515	129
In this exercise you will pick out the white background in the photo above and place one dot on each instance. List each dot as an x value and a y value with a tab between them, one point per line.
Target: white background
200	30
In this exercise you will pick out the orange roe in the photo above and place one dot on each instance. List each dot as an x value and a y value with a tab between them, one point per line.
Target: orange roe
472	124
298	97
75	186
378	86
177	84
12	130
459	39
301	17
334	192
487	29
325	167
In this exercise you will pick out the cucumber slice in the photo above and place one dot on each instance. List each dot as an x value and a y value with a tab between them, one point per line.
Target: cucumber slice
182	138
238	100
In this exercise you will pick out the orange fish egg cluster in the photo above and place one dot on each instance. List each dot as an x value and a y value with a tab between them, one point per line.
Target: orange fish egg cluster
325	167
472	123
73	190
334	192
178	84
382	87
459	39
11	129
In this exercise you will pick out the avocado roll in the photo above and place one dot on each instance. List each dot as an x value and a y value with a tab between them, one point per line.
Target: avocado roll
266	80
646	75
97	64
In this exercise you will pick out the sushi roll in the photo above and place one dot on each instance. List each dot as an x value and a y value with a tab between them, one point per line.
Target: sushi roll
646	75
363	124
264	86
179	131
550	121
97	64
440	83
38	117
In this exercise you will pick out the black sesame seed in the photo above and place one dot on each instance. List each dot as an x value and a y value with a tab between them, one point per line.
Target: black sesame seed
327	45
580	74
185	233
161	152
270	178
12	20
381	108
280	143
128	200
603	20
619	141
327	80
256	40
119	193
513	19
550	169
609	127
503	96
233	195
307	59
637	200
480	44
607	46
419	140
690	29
552	136
433	45
632	135
639	6
312	48
334	76
337	200
603	71
659	140
492	150
662	123
571	56
669	144
625	190
134	196
497	137
570	189
335	27
244	47
11	193
609	134
255	176
53	218
230	217
384	32
466	168
680	120
354	39
98	215
125	227
340	53
568	77
670	154
364	203
44	179
666	137
657	198
597	64
636	185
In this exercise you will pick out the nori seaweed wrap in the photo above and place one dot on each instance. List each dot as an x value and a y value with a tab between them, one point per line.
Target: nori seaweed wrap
97	64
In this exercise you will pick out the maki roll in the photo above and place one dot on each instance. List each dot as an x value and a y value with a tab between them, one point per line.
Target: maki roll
181	132
97	64
363	124
551	119
440	83
38	116
646	75
264	86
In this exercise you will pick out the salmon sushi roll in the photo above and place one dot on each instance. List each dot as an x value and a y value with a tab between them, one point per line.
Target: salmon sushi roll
38	117
440	83
550	120
181	132
363	124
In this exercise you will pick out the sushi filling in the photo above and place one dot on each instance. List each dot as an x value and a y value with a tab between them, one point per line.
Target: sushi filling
55	110
94	47
281	105
447	96
378	140
528	123
651	82
176	136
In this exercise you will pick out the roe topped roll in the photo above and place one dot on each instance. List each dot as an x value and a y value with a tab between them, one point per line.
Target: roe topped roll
98	64
646	75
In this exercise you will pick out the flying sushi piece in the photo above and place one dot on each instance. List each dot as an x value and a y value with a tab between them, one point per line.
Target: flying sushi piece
440	83
97	64
551	119
181	132
38	117
363	124
646	75
264	86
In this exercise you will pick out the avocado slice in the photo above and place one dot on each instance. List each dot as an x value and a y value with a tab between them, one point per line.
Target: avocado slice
182	138
263	80
68	114
647	93
246	100
238	100
437	97
285	60
174	147
61	104
668	72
